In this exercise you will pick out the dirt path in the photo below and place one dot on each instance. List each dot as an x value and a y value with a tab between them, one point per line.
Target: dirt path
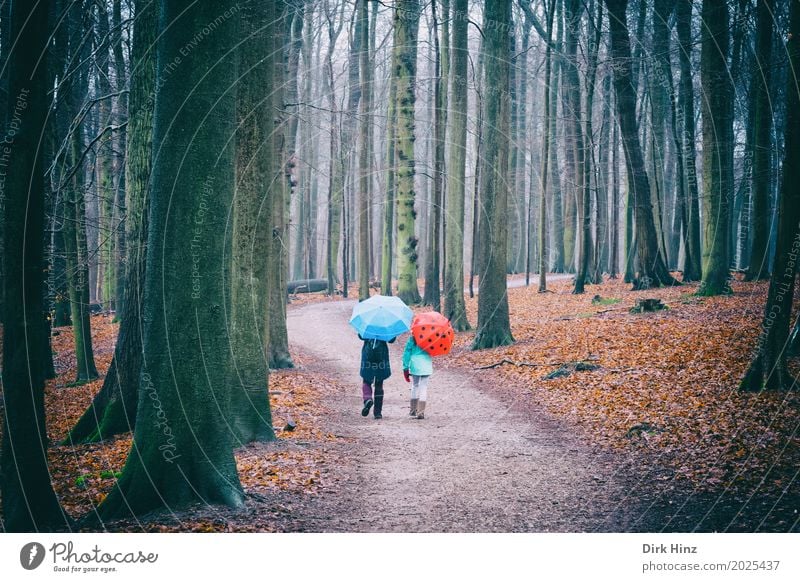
474	463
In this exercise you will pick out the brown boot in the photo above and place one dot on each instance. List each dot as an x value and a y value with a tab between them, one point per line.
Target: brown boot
420	410
413	411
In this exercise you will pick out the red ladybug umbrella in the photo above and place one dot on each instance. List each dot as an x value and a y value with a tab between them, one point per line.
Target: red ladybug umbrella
433	333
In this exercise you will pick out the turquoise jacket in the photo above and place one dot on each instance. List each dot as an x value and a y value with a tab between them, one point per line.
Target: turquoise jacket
416	360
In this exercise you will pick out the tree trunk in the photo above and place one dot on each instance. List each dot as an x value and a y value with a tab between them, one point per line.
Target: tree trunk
387	254
494	327
546	146
433	275
336	175
659	77
692	270
29	503
717	106
474	264
75	221
182	451
454	307
556	235
653	268
404	66
572	187
250	417
112	410
602	245
120	145
284	132
585	257
768	368
613	267
107	278
364	152
762	134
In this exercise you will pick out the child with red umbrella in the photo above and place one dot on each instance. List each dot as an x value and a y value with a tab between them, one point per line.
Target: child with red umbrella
431	335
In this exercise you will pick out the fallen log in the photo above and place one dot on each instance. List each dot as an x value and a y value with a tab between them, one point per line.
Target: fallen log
307	286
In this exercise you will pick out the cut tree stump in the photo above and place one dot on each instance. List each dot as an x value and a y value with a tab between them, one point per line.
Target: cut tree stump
647	305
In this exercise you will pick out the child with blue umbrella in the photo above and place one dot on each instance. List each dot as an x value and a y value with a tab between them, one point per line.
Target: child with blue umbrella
378	321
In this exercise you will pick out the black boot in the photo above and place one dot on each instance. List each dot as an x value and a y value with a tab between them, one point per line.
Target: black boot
367	406
378	398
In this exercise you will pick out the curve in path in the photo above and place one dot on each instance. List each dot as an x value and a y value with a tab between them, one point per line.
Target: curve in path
474	464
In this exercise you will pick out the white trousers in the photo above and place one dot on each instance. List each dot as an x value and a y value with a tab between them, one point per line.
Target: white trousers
419	388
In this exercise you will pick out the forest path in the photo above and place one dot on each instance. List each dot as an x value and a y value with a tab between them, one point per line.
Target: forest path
474	464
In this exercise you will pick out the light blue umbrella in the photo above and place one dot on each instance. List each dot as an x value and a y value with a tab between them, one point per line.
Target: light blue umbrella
381	317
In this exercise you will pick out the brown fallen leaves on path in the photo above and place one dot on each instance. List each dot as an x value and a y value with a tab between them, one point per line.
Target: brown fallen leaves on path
665	386
274	475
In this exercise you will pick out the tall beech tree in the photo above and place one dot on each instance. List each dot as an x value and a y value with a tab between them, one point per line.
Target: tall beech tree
717	109
335	170
75	86
250	417
494	327
549	94
388	238
289	18
761	154
364	151
182	451
404	67
432	295
454	306
653	268
113	409
692	270
29	502
768	368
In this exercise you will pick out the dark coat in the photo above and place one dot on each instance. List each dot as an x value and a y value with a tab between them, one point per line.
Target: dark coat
375	360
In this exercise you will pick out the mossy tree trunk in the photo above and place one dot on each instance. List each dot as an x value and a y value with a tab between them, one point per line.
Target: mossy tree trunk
336	179
120	145
717	108
106	277
364	151
29	502
387	242
658	80
284	132
75	243
436	250
404	67
182	452
653	269
454	306
769	368
494	328
250	416
762	135
113	409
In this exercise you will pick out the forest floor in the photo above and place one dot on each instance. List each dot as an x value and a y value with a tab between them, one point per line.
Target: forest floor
648	433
